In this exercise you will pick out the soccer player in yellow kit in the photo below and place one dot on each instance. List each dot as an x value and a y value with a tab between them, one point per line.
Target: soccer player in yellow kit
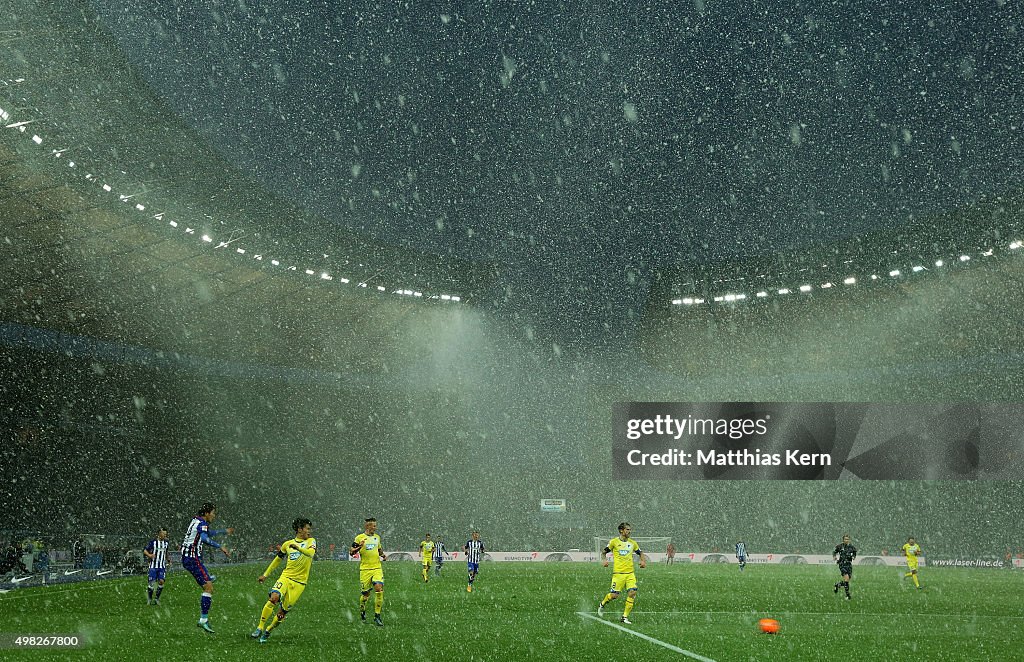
912	550
622	550
427	548
367	546
289	586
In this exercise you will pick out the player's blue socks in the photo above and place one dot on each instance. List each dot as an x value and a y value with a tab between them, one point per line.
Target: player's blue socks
204	606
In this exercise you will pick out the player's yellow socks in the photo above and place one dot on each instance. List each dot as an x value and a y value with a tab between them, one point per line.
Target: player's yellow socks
273	623
425	573
629	606
378	602
607	598
362	601
268	610
908	574
916	583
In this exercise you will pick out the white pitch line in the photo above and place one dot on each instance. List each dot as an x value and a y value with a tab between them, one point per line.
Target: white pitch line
50	590
834	613
677	649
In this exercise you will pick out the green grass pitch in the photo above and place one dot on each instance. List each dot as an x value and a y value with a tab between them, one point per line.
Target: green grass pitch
531	612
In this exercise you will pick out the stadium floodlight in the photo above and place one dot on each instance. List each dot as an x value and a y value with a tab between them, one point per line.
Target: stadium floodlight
36	139
917	268
173	224
850	281
140	207
190	230
1015	245
240	251
445	297
310	272
71	164
207	238
275	263
805	288
784	290
456	298
106	187
677	302
345	280
894	273
987	253
326	276
939	263
741	297
381	288
965	258
762	294
825	286
417	294
719	299
874	276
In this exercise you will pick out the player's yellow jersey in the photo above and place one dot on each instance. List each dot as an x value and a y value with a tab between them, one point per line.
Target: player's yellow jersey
911	551
369	553
622	553
299	562
427	547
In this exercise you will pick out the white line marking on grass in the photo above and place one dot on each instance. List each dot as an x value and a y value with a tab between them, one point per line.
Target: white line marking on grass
646	638
834	613
50	590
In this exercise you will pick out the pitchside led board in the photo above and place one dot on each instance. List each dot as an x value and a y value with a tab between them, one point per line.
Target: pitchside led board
819	440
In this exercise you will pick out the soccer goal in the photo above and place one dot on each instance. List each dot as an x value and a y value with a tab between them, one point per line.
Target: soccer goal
648	545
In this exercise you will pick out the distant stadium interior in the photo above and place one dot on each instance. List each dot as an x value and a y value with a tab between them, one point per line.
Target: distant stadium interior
174	329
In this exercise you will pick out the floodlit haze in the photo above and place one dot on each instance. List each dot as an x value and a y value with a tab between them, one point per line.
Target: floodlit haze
582	147
565	168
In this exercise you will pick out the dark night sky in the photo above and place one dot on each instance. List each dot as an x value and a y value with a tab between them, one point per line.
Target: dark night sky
582	143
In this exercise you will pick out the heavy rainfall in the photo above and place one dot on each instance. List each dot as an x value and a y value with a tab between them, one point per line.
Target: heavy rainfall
401	260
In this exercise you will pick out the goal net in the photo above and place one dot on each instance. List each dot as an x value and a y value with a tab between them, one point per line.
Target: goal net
648	545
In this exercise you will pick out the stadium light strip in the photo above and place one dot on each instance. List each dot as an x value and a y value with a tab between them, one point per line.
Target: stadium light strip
806	288
205	238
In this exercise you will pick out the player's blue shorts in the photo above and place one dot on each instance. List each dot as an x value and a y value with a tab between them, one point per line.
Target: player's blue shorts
742	559
473	567
157	574
198	570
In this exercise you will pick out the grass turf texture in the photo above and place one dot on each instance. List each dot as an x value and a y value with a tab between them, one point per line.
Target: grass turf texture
529	611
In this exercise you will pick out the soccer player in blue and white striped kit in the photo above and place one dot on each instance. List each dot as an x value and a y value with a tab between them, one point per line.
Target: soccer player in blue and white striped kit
156	552
741	554
198	534
474	549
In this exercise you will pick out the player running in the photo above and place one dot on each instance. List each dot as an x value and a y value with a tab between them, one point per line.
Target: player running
427	551
622	550
196	536
156	552
912	550
474	549
843	555
289	586
367	546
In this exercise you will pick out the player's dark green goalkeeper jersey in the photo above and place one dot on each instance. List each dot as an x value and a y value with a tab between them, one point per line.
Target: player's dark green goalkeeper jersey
845	554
